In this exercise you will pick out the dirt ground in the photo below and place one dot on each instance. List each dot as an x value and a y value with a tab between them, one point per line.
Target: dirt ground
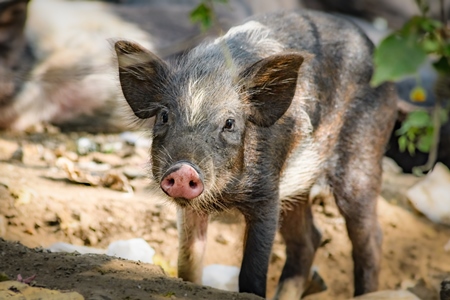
50	193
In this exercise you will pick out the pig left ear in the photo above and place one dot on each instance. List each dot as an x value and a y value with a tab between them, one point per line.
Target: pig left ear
270	86
142	75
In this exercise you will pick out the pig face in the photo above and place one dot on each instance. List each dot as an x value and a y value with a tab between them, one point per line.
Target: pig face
197	145
204	114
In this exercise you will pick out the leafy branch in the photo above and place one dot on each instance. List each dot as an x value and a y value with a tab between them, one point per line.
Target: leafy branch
402	53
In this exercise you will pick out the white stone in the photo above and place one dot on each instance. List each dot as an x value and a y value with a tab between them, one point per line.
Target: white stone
431	196
135	249
221	277
65	247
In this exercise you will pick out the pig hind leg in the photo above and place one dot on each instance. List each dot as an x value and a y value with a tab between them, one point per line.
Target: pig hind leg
357	203
356	181
302	239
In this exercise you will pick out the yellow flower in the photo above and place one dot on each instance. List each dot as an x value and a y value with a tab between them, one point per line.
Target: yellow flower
418	94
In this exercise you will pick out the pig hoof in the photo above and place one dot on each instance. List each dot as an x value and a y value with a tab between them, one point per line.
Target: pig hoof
182	181
315	285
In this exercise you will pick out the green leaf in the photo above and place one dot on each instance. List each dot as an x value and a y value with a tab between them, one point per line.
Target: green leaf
397	56
402	143
403	129
429	25
430	45
411	149
424	143
418	119
411	135
202	14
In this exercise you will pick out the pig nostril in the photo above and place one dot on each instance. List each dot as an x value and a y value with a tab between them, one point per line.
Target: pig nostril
192	184
171	181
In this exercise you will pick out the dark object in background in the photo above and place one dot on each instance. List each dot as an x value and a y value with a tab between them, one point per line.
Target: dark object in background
15	56
407	161
445	290
395	12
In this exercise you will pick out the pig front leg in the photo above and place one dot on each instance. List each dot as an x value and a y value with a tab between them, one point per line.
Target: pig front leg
302	239
192	229
259	236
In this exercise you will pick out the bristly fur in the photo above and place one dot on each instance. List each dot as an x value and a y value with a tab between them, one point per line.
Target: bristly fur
260	116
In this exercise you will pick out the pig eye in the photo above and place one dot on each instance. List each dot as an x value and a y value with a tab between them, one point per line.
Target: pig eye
165	117
229	125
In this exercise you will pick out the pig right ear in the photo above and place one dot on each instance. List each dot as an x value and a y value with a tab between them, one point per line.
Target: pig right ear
141	75
270	85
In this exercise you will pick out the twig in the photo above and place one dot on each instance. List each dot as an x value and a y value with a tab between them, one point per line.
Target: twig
432	156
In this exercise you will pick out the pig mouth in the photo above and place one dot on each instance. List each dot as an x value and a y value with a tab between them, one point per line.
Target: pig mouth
183	181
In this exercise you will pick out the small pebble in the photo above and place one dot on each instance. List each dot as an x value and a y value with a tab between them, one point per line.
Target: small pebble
85	145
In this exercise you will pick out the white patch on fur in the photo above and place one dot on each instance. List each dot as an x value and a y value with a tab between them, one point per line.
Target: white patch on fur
202	92
302	167
207	100
257	36
244	28
197	96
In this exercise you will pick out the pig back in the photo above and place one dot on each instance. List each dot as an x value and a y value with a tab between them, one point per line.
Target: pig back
335	110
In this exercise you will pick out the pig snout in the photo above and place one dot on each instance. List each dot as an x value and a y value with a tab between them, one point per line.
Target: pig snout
182	181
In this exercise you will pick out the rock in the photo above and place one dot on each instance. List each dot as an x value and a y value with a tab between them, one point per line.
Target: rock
93	167
388	295
389	165
136	139
221	277
431	196
85	145
135	249
65	247
133	173
447	246
15	290
111	147
17	155
108	159
117	181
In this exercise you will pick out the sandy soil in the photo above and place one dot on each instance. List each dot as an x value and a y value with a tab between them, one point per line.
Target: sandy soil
49	193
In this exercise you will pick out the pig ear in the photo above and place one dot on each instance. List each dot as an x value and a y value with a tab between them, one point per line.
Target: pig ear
270	85
141	75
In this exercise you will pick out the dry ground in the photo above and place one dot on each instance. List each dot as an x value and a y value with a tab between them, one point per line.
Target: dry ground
41	203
